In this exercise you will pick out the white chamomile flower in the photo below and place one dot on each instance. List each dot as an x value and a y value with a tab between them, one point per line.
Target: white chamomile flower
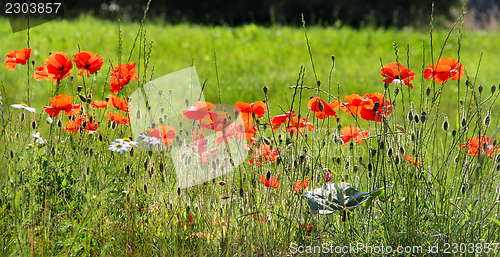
37	137
49	120
149	140
120	145
24	107
126	139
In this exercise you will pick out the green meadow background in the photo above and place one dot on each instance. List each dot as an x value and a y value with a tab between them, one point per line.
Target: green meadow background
251	57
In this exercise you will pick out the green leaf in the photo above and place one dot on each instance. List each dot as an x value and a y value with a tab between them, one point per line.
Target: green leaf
495	221
335	197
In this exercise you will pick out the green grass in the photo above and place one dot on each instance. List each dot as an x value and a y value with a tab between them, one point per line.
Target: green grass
72	196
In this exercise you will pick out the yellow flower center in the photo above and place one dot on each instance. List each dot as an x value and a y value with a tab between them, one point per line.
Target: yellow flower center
127	139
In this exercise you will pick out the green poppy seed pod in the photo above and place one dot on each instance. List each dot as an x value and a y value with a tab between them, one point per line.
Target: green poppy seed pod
389	152
265	90
493	88
186	102
428	91
463	123
33	124
82	98
416	119
487	120
454	133
79	89
446	125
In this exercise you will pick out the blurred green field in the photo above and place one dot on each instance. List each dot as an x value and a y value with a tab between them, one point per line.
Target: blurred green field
251	57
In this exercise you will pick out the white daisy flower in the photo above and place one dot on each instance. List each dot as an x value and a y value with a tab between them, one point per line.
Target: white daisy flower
149	140
49	120
37	137
121	146
24	107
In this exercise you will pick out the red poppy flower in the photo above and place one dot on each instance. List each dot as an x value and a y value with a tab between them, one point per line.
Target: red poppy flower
17	57
41	73
60	103
397	73
163	132
276	121
328	177
58	66
269	181
376	112
118	103
297	125
118	118
263	153
199	141
414	161
444	69
354	133
355	103
121	75
321	109
75	125
215	120
300	185
88	62
481	144
204	157
198	111
98	104
259	108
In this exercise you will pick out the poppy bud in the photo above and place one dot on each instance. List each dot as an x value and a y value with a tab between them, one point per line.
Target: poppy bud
428	91
346	165
268	176
381	145
401	150
423	117
59	123
33	62
370	166
410	116
396	160
321	107
498	169
376	106
265	90
480	89
22	116
333	60
34	125
416	119
386	85
396	91
222	183
89	98
463	123
11	155
487	121
497	159
224	197
318	83
454	133
82	98
178	191
79	89
145	189
187	102
106	99
162	110
493	88
445	125
355	168
389	152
